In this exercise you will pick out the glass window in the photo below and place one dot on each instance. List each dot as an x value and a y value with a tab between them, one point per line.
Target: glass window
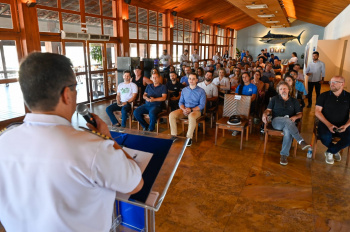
132	31
92	7
9	63
112	82
143	32
142	16
133	49
107	8
132	14
180	25
108	27
111	55
187	37
71	22
175	36
180	37
161	33
96	56
153	51
5	16
93	25
48	21
52	47
161	48
70	5
51	3
12	103
174	54
160	19
143	51
153	33
152	18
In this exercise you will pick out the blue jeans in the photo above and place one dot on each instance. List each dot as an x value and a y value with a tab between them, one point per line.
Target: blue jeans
114	107
326	138
290	131
150	109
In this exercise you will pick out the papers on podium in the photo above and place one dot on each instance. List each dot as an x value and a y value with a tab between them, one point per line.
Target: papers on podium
142	159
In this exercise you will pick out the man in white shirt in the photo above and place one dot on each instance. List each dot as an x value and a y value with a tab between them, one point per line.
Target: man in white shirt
217	57
205	67
195	57
316	72
184	58
165	59
126	93
52	176
222	81
210	89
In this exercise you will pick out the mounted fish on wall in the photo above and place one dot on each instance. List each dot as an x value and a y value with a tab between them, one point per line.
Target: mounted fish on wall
271	38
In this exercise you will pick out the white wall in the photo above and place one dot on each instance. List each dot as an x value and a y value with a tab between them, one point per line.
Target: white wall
339	29
246	40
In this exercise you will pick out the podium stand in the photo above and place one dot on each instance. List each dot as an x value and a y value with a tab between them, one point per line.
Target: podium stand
162	180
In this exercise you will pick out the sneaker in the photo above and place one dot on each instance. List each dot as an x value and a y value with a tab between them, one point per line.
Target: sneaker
189	143
304	145
283	160
150	130
337	157
234	133
145	129
117	124
329	158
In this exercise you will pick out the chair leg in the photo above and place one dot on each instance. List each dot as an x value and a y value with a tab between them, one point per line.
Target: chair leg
347	158
183	127
168	123
223	132
314	148
196	131
247	130
242	135
138	126
295	148
211	120
204	127
158	126
216	133
265	143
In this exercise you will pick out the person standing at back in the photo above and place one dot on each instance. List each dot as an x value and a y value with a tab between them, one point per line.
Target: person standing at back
316	72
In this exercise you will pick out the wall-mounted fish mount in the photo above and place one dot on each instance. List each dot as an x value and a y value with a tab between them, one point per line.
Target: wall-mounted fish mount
279	38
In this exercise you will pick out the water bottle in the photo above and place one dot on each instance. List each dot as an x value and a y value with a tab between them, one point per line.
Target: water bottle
309	153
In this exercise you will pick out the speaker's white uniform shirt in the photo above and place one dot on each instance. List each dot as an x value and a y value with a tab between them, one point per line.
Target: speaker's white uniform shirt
55	178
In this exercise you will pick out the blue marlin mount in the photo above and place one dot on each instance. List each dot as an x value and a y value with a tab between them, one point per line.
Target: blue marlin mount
279	38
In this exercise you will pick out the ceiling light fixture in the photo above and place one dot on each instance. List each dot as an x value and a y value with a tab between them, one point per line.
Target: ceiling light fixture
276	26
272	21
266	16
254	7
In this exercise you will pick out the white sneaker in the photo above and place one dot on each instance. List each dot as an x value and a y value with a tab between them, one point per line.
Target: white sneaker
337	157
234	133
329	158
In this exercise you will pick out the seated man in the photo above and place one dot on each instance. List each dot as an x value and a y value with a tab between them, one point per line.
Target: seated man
175	87
299	87
277	66
300	75
184	79
192	103
332	109
155	94
285	111
52	176
126	93
140	80
221	81
210	89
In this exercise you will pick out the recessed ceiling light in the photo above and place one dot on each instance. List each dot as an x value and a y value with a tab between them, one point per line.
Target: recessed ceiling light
272	21
266	16
276	26
260	6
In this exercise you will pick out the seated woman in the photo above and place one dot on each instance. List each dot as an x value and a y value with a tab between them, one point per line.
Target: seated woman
295	93
261	93
246	88
200	73
285	111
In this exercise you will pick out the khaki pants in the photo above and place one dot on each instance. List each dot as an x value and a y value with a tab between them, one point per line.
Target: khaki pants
178	114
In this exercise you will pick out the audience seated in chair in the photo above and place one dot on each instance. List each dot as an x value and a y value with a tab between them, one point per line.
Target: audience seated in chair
139	80
154	95
285	111
184	79
174	89
221	81
126	94
332	109
192	103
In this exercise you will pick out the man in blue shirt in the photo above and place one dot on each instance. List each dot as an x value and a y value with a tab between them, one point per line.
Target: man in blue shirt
272	59
155	94
184	79
192	103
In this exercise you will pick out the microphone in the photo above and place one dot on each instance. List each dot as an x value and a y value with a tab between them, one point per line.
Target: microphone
84	111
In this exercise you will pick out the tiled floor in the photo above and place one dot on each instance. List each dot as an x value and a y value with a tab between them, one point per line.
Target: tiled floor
222	188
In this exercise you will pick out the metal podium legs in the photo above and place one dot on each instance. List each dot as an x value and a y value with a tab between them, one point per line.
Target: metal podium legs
150	221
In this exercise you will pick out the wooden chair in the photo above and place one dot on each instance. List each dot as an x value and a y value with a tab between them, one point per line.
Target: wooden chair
118	113
316	137
163	114
235	105
200	119
269	130
213	111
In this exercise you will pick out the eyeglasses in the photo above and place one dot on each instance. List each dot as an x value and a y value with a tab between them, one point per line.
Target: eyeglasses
335	82
70	87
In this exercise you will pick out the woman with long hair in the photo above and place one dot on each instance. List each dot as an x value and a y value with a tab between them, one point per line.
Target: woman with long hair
290	81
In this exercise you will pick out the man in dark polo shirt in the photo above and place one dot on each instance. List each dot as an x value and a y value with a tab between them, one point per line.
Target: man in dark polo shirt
285	111
332	109
155	94
174	87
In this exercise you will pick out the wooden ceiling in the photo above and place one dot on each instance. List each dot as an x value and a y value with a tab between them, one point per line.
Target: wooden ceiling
319	12
212	11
